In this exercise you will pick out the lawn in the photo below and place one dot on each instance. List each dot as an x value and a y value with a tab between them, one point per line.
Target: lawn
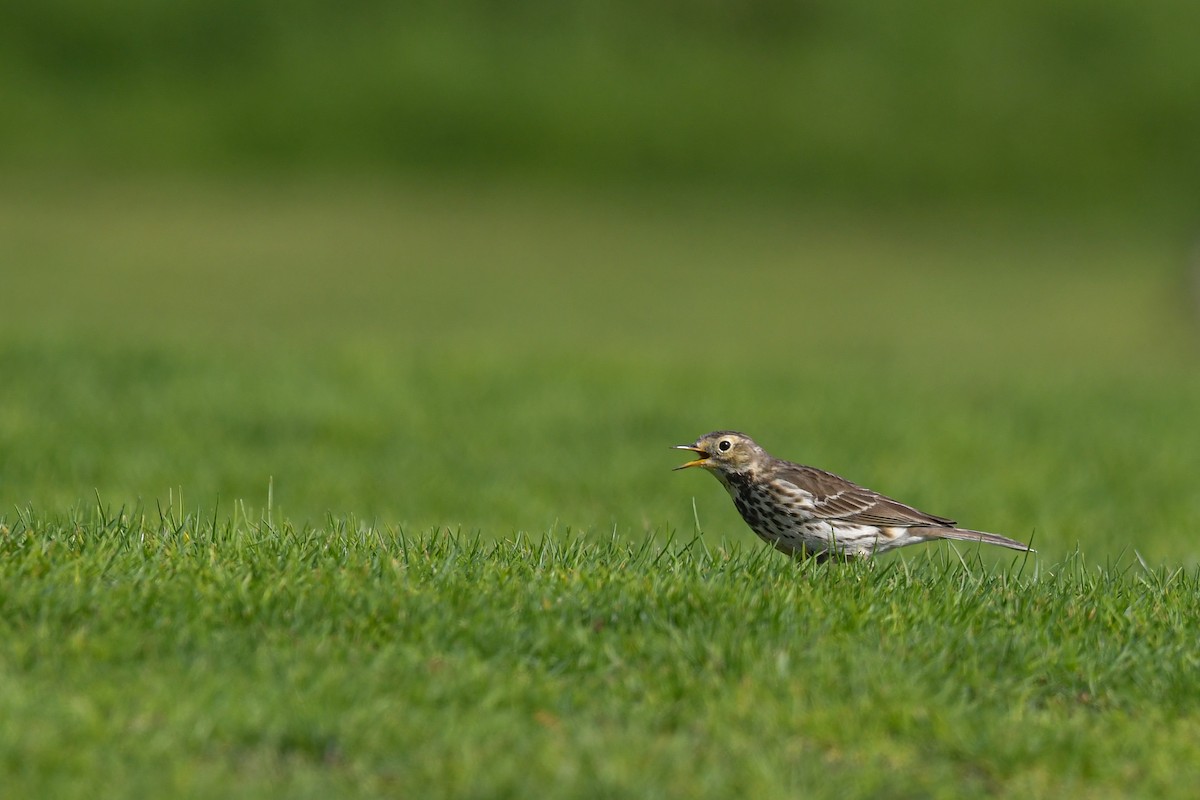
335	487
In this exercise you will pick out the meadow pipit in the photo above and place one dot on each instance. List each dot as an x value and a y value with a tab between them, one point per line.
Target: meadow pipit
805	511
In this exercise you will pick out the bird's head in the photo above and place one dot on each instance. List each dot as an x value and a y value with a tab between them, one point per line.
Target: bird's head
724	451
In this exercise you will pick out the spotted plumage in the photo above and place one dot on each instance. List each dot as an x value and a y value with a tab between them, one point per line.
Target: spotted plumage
807	511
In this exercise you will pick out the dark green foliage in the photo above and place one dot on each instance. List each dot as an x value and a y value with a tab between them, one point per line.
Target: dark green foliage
1063	101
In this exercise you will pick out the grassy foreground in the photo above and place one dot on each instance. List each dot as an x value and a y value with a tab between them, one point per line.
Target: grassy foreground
429	543
158	654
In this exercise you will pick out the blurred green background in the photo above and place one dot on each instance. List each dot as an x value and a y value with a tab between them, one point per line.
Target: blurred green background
1072	101
477	264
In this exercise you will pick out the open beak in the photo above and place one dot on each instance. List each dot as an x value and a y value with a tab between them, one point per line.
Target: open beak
699	462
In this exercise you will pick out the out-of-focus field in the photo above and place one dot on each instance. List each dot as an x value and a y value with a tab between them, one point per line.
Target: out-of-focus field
502	359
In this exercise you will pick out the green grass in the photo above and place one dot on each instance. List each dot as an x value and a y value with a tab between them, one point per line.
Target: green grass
330	489
158	654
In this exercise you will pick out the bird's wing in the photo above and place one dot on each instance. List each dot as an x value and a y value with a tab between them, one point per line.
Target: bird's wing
834	497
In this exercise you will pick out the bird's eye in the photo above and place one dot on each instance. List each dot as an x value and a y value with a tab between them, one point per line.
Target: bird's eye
724	445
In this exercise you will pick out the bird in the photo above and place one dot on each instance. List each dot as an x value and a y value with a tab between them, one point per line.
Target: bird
808	512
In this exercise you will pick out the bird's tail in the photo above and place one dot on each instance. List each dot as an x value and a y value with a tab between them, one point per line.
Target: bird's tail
964	535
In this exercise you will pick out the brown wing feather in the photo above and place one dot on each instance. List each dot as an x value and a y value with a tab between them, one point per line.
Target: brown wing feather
834	497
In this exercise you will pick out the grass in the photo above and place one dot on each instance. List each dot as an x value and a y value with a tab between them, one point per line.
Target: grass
162	654
325	489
